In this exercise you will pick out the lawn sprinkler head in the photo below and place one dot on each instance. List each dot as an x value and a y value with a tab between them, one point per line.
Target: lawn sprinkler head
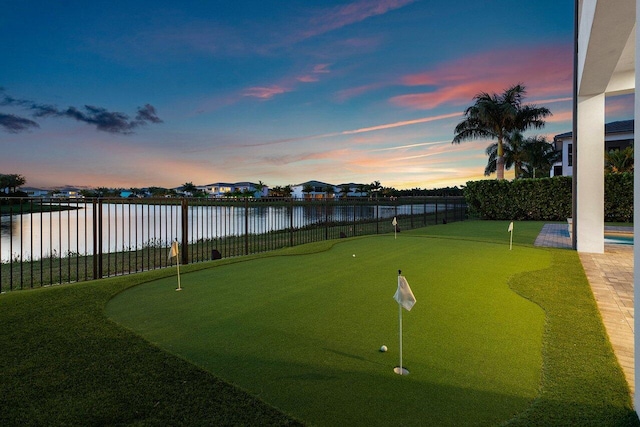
383	349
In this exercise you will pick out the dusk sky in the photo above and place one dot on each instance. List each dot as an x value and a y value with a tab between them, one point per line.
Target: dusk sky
159	93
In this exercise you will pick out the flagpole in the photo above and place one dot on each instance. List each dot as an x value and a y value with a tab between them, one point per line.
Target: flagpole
400	370
511	240
178	268
510	235
175	252
400	321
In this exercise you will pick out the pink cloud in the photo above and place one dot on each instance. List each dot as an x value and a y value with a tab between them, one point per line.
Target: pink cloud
265	92
321	69
561	116
546	72
313	76
307	79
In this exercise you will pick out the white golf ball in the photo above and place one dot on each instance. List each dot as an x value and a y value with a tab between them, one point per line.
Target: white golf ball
354	255
383	348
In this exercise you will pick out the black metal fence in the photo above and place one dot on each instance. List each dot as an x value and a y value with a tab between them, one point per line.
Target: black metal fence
51	241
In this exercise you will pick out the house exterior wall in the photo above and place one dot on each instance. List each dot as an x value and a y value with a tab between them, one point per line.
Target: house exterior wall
611	141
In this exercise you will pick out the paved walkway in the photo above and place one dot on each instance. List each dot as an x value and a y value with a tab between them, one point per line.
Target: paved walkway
611	278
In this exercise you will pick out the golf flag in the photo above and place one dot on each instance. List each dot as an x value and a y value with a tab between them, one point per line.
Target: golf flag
394	222
174	253
403	295
510	230
395	227
174	250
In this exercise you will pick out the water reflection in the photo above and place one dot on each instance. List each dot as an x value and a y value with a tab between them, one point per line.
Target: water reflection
86	229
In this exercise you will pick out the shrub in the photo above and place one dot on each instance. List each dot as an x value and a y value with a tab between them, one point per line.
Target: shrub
544	199
618	197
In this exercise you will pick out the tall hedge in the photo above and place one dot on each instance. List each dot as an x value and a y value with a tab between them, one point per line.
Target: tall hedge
618	197
544	199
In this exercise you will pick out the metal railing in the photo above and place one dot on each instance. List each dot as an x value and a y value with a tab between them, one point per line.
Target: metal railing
52	241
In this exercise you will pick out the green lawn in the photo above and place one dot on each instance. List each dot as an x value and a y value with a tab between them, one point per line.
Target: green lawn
496	337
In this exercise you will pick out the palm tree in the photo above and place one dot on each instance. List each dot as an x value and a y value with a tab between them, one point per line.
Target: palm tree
189	188
495	116
344	190
619	160
541	155
307	188
531	157
329	190
375	187
260	188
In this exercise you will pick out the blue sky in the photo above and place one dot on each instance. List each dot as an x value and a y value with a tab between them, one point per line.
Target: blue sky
142	93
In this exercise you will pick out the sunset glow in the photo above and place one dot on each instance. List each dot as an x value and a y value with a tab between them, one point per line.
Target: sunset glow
162	93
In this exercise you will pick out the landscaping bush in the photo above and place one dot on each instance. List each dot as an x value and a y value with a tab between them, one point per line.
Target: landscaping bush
544	199
540	199
618	197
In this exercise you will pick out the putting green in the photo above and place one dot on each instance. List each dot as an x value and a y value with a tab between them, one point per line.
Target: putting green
302	332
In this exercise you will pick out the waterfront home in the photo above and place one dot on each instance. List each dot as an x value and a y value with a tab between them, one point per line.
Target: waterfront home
222	189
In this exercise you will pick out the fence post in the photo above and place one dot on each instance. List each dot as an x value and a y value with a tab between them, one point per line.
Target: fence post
355	225
326	218
411	213
446	208
185	230
246	226
424	212
100	266
290	221
94	230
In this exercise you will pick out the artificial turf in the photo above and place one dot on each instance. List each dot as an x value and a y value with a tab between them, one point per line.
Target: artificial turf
302	331
62	362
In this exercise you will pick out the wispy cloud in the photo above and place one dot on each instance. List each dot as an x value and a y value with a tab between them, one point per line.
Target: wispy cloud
404	147
347	94
214	37
315	73
359	130
340	16
265	92
545	71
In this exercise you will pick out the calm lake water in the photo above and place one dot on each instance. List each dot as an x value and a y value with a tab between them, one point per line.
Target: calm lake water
134	226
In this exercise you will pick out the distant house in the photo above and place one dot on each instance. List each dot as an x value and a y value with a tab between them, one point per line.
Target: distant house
617	136
353	190
221	189
70	193
318	190
35	192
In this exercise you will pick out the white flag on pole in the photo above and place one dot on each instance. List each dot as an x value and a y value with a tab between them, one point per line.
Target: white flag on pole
174	250
394	222
510	227
403	295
